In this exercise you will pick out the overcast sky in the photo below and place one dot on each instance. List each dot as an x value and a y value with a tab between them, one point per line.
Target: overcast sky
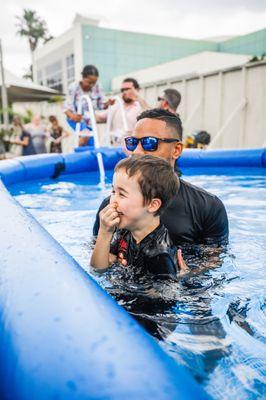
181	18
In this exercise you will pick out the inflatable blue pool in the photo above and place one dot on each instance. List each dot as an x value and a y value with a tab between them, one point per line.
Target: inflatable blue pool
61	335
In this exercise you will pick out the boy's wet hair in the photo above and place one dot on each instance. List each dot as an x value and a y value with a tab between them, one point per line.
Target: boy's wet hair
155	177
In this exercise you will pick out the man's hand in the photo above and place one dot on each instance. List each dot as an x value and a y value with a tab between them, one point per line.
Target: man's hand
76	117
181	263
108	103
109	219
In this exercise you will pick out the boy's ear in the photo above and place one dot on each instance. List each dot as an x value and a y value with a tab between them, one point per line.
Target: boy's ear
154	205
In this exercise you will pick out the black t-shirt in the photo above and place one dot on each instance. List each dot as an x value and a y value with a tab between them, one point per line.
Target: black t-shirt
155	254
195	216
27	150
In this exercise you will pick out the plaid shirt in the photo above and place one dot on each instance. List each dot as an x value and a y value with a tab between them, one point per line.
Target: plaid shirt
74	94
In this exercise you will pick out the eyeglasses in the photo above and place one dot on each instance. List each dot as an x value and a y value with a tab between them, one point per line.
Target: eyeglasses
124	89
160	99
148	143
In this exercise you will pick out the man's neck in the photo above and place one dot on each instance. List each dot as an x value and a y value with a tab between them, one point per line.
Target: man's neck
140	232
129	103
82	88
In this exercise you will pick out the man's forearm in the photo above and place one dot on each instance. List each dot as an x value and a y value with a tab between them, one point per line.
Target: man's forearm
100	255
69	114
144	105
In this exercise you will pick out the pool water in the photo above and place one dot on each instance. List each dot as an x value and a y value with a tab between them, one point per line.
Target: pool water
212	322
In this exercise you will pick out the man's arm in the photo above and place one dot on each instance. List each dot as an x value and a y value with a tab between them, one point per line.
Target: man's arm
69	104
144	105
135	96
72	116
101	115
214	236
22	142
215	224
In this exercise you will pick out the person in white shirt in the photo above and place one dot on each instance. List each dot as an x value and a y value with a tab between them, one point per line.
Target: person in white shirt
133	105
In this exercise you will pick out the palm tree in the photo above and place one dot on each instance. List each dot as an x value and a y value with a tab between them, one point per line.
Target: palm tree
33	27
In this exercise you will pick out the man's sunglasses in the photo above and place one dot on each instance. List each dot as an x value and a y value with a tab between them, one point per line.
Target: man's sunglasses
148	143
160	99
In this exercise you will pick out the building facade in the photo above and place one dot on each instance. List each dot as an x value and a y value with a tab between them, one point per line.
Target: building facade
60	61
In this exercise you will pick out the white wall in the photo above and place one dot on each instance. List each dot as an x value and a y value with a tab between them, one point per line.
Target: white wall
70	42
200	63
229	104
57	54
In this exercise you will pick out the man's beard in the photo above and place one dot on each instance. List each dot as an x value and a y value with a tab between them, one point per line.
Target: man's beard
128	101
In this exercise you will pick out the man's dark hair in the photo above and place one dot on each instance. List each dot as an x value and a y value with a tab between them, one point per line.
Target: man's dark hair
134	81
89	70
155	177
52	118
173	97
202	137
172	121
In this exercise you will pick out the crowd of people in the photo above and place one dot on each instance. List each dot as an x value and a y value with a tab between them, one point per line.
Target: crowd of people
37	137
142	131
119	112
153	217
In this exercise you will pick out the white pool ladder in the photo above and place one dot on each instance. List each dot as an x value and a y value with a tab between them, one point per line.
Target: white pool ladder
95	134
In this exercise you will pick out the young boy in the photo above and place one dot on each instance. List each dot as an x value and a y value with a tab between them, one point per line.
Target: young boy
143	186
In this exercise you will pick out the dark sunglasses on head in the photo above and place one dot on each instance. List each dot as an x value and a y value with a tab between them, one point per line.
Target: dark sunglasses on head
148	143
124	89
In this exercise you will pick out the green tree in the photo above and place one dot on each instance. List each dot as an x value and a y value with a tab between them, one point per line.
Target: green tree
34	28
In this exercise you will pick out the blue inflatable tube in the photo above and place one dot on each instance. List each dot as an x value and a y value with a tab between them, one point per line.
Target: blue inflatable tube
211	158
223	158
48	165
61	335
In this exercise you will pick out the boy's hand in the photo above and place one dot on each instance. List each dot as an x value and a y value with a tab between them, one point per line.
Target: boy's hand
121	259
181	263
109	218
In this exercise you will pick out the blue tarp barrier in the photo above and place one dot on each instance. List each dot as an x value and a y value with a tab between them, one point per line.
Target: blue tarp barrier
61	335
210	158
44	165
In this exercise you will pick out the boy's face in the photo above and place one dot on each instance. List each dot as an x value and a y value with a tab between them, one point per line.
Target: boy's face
129	199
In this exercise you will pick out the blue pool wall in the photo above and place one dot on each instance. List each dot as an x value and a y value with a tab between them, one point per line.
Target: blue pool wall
61	335
43	166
